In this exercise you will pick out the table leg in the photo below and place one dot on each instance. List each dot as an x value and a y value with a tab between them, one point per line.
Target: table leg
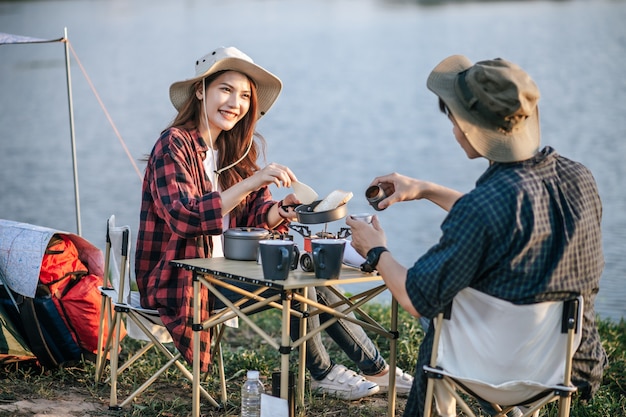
285	347
195	384
393	350
302	355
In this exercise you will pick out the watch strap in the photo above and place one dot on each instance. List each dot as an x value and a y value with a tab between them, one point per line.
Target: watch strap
372	258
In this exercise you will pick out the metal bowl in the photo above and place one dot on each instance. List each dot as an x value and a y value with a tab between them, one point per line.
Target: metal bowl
306	215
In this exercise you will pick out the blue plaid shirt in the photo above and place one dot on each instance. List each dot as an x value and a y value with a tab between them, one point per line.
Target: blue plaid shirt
529	232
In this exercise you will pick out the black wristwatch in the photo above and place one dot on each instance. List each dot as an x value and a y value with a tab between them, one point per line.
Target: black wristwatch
371	260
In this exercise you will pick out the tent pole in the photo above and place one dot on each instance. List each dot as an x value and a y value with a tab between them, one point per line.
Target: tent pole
71	111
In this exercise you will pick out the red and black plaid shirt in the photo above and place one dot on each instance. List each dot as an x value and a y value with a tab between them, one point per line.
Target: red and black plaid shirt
179	211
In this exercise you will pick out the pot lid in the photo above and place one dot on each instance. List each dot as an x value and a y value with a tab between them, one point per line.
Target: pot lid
246	233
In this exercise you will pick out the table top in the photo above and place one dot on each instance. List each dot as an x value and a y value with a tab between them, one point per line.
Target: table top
251	271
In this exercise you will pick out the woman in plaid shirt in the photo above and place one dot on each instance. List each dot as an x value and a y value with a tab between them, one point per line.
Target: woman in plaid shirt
201	179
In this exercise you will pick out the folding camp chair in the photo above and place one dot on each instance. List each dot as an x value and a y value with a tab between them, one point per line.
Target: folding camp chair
504	354
119	303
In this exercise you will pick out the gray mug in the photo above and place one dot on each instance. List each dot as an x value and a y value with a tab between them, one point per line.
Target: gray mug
375	194
277	257
327	257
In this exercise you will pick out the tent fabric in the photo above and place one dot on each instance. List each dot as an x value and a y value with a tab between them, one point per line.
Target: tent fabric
7	38
13	348
22	247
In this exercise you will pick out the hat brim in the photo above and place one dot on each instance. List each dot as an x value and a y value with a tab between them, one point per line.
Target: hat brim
518	145
268	85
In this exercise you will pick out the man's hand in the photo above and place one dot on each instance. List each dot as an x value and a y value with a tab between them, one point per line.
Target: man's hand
366	236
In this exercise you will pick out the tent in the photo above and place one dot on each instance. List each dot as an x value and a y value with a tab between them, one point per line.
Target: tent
13	348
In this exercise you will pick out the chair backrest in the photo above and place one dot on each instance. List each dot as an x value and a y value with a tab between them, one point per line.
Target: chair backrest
119	273
499	344
117	260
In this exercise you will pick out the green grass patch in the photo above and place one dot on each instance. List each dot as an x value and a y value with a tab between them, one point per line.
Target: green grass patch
243	350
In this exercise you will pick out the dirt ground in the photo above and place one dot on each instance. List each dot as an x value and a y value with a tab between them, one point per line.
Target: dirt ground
80	404
78	407
84	407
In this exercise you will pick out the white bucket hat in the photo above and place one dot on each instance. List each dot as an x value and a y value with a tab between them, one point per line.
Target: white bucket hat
494	103
268	86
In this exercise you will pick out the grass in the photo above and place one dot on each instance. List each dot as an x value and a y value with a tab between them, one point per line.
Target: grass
171	395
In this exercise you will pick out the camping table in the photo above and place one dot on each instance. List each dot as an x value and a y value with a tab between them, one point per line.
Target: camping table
218	273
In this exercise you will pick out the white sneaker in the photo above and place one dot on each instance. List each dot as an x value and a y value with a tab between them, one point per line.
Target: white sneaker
343	383
403	382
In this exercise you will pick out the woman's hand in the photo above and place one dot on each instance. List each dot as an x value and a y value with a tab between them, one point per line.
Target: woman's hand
274	173
271	174
286	208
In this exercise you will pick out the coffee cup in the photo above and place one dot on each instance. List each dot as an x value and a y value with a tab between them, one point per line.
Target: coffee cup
294	262
277	258
327	257
365	217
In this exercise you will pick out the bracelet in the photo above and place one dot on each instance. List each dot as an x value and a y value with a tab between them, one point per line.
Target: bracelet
280	210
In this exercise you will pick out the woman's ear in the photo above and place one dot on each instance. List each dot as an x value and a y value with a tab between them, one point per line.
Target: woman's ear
199	94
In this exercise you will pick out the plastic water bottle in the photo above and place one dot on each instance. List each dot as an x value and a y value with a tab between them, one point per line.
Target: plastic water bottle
251	395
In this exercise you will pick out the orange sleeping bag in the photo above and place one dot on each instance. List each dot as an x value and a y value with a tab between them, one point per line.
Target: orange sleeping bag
74	291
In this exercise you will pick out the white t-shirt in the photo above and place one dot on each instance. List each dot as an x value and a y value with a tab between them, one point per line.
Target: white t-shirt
218	240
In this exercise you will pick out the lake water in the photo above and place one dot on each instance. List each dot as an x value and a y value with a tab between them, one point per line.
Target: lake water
354	103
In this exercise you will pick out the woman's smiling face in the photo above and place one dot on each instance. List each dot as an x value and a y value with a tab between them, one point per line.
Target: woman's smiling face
227	100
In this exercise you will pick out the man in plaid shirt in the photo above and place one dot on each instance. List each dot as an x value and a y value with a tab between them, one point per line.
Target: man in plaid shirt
528	232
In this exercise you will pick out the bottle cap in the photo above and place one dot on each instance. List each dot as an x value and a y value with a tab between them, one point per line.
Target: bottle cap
252	375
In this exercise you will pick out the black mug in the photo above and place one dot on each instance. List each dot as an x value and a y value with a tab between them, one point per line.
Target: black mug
294	263
327	257
277	258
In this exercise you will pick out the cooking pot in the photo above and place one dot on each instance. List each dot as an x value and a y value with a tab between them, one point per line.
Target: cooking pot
306	215
242	243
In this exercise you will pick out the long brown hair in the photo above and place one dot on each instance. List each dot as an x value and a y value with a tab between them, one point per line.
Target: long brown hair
231	144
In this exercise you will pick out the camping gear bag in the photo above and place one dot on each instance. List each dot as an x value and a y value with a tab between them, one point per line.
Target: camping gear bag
74	292
40	325
56	305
